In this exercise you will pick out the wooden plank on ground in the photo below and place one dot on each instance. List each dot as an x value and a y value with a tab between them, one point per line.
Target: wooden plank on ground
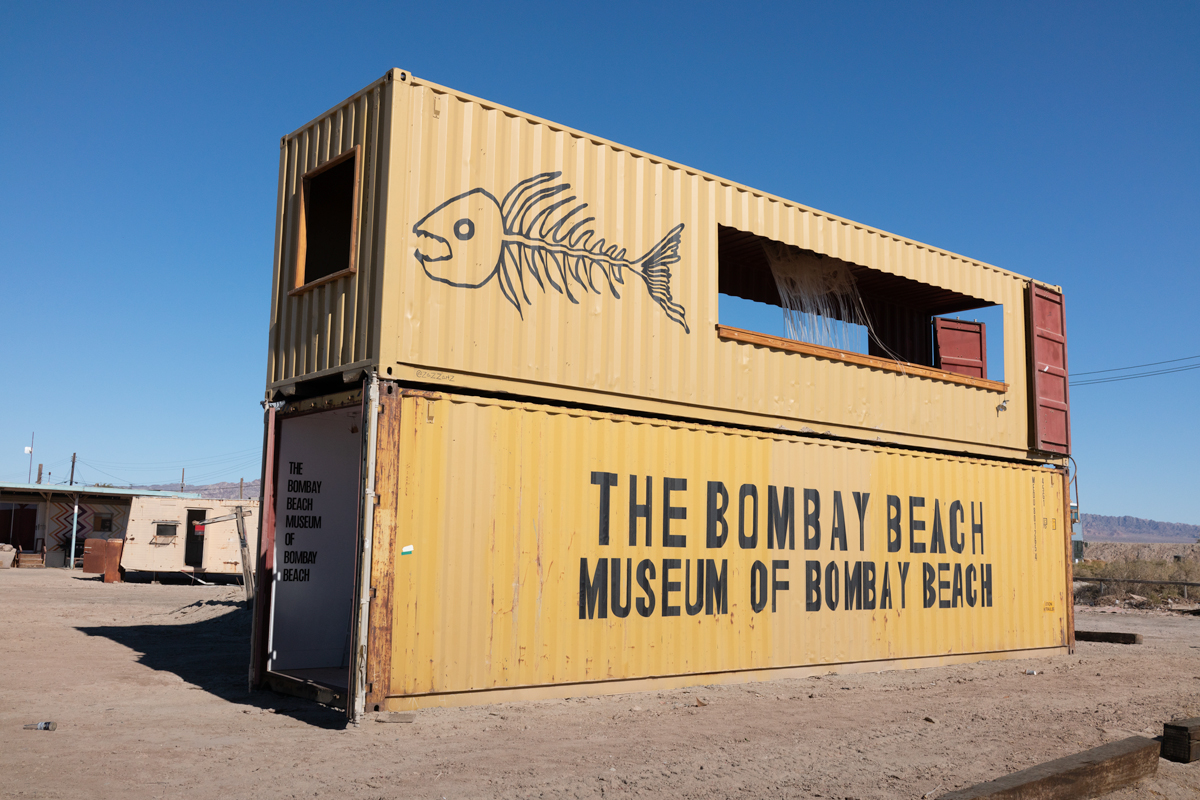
1111	637
1083	775
1181	740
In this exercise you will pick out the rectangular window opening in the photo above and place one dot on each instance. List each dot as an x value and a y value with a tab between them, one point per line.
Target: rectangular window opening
806	302
162	529
327	242
102	523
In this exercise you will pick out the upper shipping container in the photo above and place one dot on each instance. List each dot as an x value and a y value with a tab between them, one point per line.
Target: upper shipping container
440	239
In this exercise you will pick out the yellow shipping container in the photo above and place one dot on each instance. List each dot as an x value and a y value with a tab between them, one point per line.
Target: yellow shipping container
520	550
439	239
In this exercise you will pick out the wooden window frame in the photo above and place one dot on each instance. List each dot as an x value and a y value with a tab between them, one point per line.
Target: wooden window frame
298	284
847	357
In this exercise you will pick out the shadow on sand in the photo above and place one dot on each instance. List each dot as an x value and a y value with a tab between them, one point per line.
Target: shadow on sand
213	654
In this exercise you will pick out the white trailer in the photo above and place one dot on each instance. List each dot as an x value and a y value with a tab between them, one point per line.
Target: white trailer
162	536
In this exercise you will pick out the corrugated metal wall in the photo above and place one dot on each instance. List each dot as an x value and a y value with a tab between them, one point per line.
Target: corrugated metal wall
627	348
573	338
502	501
335	325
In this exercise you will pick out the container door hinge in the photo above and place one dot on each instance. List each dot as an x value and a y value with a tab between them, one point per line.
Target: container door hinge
372	592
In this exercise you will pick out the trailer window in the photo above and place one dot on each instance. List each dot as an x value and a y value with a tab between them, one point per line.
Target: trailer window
841	310
328	221
165	529
102	523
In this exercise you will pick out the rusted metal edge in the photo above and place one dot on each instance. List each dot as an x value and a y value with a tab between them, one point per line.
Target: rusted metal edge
1068	558
383	555
706	677
328	402
273	387
834	354
265	566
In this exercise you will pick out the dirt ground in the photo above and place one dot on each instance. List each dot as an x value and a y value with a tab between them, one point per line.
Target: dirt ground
148	686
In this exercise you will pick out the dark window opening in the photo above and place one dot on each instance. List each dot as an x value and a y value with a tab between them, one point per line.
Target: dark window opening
165	529
193	547
102	523
327	245
844	306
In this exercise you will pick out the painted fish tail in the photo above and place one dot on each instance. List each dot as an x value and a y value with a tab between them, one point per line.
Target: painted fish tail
655	269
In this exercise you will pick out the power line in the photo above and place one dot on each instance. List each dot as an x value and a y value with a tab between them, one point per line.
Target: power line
1135	366
1138	375
206	472
215	459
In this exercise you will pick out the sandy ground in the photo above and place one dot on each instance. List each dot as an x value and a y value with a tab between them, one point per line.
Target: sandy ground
147	685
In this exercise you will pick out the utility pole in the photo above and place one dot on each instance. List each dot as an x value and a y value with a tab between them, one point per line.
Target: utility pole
182	472
241	486
30	476
74	519
74	530
39	473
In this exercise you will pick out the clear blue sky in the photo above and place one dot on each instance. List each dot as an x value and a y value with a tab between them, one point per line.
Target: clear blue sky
140	147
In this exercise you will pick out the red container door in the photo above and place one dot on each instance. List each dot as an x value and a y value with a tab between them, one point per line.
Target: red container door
961	347
1049	399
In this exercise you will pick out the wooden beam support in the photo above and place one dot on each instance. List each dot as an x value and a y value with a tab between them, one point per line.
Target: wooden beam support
1083	775
1110	637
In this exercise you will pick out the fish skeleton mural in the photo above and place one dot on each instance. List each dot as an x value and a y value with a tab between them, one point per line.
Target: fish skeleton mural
539	230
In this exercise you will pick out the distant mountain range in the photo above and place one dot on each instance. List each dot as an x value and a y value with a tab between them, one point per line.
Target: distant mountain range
1099	528
214	491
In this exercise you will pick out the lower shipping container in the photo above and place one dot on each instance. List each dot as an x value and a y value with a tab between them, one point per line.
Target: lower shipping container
520	551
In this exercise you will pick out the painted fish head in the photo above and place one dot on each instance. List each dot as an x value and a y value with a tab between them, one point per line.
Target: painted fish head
459	241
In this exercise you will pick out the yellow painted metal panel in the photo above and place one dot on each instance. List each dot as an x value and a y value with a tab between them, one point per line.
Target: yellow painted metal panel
334	326
536	324
501	503
483	305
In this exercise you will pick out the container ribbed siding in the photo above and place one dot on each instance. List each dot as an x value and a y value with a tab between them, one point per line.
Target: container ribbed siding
623	349
516	518
594	348
335	326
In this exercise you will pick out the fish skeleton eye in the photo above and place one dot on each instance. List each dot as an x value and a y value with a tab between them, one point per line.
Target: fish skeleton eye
464	229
